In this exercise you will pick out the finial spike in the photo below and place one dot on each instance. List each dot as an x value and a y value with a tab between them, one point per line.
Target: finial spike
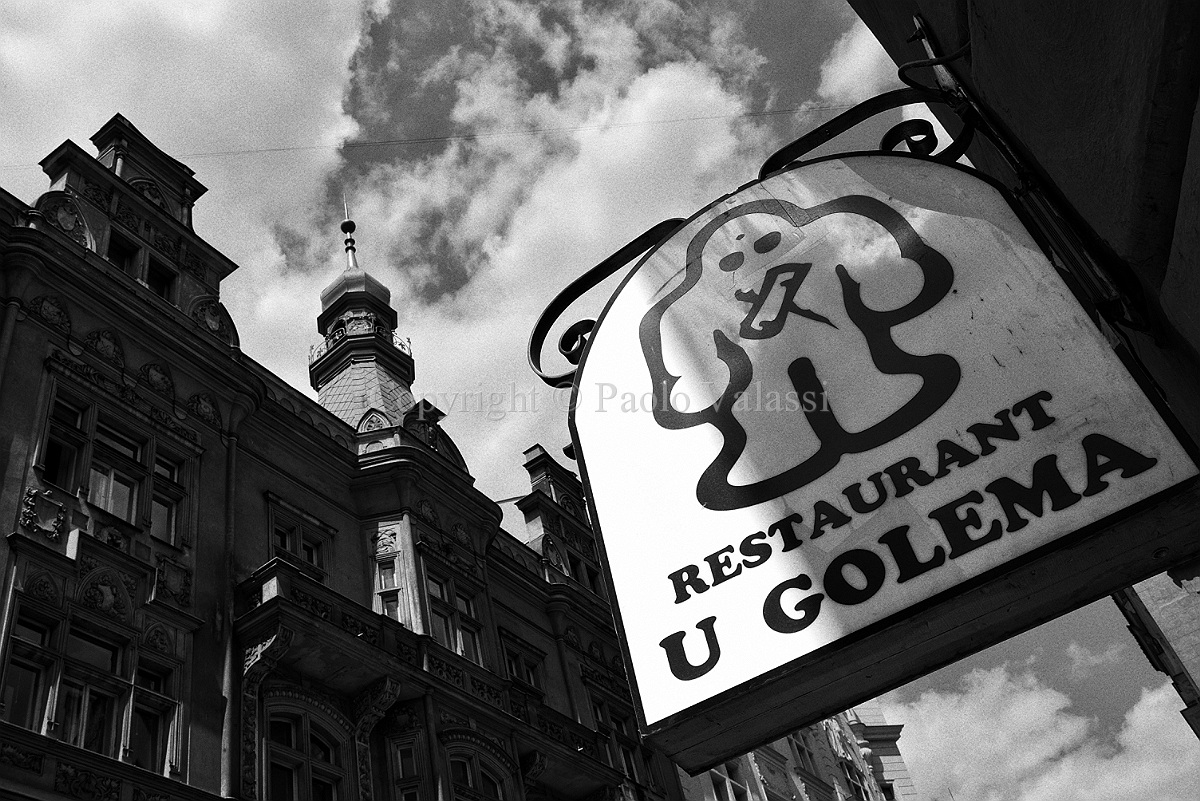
348	230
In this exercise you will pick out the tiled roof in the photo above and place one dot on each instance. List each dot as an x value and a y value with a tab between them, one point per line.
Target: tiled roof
364	386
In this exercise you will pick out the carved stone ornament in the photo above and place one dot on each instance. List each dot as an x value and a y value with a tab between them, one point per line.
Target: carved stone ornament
61	211
205	407
127	218
100	195
425	510
41	514
113	536
533	764
44	588
158	378
211	316
82	783
572	637
20	758
194	264
172	581
107	346
167	245
259	660
149	190
368	709
104	592
157	638
53	312
145	795
460	533
385	542
374	420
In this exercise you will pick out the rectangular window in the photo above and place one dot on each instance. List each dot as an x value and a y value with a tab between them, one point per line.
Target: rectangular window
161	280
282	780
87	716
123	253
22	695
162	518
406	762
93	651
113	491
523	666
299	538
452	621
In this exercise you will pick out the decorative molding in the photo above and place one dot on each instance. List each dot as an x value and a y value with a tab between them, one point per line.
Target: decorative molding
42	514
194	264
158	378
41	585
487	692
112	536
204	406
85	372
52	310
60	210
374	420
368	709
322	610
20	758
107	345
101	196
172	580
385	542
103	591
533	764
82	783
427	512
210	314
478	741
149	190
359	628
127	218
157	638
258	661
144	795
445	671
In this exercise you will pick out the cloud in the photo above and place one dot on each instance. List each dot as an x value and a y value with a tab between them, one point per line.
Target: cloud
856	68
1006	737
568	144
1084	661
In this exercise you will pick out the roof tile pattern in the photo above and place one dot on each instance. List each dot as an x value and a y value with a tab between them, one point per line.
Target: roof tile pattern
364	386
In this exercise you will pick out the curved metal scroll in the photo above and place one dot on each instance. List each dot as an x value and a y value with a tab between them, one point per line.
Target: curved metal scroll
573	340
920	139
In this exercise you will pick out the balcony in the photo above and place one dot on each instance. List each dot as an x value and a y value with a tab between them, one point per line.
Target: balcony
380	332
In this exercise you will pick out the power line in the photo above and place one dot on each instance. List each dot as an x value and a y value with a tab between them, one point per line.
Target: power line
425	140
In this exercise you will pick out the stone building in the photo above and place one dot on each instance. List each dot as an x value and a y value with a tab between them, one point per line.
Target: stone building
215	586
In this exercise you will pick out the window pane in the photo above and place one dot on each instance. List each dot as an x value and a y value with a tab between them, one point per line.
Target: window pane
59	464
283	537
93	651
436	588
441	629
470	645
282	732
150	679
387	575
162	519
98	731
490	786
406	762
319	749
322	790
166	468
311	552
145	739
22	695
70	712
118	442
124	492
66	413
464	605
160	279
460	772
391	607
283	782
31	630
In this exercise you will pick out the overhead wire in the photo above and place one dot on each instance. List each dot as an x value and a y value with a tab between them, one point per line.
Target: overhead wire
467	137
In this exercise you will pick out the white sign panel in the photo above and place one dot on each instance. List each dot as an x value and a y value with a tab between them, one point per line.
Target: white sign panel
841	391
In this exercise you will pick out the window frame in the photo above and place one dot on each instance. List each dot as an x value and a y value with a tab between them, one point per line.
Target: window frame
293	532
297	757
456	607
104	446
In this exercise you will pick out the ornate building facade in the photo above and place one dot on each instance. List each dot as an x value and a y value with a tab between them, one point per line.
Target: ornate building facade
216	587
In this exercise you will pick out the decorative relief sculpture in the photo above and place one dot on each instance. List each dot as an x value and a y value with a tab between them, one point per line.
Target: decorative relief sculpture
103	591
172	581
100	195
385	542
157	638
158	378
149	190
204	406
82	783
210	315
259	660
127	218
42	514
194	264
374	420
61	211
107	346
53	311
368	709
44	588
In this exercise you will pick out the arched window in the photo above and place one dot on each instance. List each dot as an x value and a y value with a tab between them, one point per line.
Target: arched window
305	759
475	776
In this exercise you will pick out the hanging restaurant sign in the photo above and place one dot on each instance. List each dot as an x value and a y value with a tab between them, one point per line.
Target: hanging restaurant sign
842	427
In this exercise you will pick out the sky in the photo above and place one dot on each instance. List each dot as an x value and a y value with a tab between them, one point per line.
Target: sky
490	151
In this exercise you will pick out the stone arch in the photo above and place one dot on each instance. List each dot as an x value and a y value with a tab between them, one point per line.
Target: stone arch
373	420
